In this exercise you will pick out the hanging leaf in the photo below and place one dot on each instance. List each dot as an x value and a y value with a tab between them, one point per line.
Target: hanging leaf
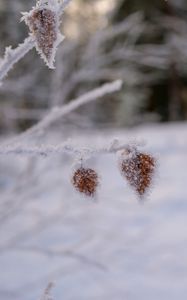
138	169
85	181
43	23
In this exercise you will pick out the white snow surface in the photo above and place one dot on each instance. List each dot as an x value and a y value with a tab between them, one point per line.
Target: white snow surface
112	248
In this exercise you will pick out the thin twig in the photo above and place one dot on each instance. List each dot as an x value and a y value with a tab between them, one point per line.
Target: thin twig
46	295
12	56
68	252
58	112
46	150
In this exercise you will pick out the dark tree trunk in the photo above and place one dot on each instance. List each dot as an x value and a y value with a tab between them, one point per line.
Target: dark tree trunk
176	107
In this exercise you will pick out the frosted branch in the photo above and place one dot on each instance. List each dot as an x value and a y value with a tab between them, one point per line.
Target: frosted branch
46	150
12	56
59	112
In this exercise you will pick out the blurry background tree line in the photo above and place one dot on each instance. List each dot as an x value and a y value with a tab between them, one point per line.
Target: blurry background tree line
142	42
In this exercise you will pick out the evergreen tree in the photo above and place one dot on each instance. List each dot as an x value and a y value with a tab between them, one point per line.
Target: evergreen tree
167	19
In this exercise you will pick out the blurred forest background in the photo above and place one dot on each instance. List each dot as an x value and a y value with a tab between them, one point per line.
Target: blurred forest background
142	42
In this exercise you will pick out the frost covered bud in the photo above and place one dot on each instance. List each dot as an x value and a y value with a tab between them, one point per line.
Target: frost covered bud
43	22
138	168
85	181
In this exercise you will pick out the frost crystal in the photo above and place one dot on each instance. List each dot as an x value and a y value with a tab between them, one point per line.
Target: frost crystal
85	181
43	22
138	168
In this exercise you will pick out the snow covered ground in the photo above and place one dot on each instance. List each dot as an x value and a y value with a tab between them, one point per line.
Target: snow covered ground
115	248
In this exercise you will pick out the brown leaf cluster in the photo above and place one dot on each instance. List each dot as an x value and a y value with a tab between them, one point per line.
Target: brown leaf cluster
85	181
138	168
42	24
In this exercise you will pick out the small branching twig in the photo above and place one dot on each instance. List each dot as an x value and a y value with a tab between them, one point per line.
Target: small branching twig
50	253
47	292
59	112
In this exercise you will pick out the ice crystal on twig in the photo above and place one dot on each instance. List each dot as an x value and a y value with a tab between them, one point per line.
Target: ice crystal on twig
85	181
44	22
138	169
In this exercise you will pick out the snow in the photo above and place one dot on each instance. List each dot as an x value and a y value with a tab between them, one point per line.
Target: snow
113	248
